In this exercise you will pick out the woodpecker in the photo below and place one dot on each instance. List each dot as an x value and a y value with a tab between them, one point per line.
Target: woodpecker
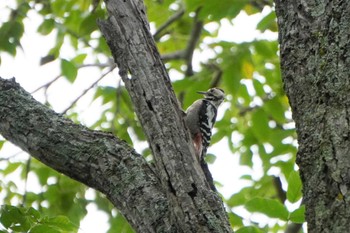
200	119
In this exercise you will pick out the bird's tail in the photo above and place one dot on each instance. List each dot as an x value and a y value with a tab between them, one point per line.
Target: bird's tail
207	173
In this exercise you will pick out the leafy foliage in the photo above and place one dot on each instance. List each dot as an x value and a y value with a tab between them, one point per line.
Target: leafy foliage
20	219
255	125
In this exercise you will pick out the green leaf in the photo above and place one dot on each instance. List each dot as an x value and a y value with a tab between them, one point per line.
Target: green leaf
46	27
20	228
46	59
294	187
269	207
235	220
246	177
250	229
8	47
210	158
55	51
5	218
243	93
33	213
217	11
275	108
73	19
43	228
1	141
88	25
17	30
260	126
59	7
43	173
14	218
298	215
286	167
268	22
108	94
62	223
281	149
239	198
69	70
218	136
79	59
11	168
267	49
10	35
246	157
119	224
258	86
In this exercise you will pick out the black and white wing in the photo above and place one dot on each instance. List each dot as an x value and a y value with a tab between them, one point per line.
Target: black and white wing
207	116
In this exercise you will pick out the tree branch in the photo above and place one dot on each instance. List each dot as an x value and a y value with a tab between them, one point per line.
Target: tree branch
47	85
88	89
171	20
95	158
195	35
99	65
24	197
187	54
217	73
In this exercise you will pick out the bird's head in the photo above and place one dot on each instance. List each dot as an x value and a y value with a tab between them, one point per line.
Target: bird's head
214	95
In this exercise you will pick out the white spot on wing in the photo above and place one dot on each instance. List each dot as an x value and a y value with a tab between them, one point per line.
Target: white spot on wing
210	114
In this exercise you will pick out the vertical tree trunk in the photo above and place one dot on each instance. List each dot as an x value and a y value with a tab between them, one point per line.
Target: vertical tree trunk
196	208
315	61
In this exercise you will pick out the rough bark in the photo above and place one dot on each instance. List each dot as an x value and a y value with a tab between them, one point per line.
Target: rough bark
197	208
176	196
95	158
315	61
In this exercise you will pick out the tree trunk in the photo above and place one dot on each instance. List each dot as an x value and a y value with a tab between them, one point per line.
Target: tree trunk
172	197
315	61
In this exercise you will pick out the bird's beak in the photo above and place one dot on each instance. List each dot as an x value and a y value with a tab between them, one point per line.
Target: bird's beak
202	92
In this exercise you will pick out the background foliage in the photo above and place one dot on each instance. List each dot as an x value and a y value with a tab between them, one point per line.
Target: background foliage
255	122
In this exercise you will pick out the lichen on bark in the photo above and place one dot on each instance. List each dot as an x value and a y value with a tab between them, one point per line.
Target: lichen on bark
315	57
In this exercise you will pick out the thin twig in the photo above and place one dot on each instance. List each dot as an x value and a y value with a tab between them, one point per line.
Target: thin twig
187	54
280	192
47	85
118	101
245	110
24	198
178	55
195	35
74	34
118	96
99	65
87	89
157	35
217	73
260	4
293	228
11	156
